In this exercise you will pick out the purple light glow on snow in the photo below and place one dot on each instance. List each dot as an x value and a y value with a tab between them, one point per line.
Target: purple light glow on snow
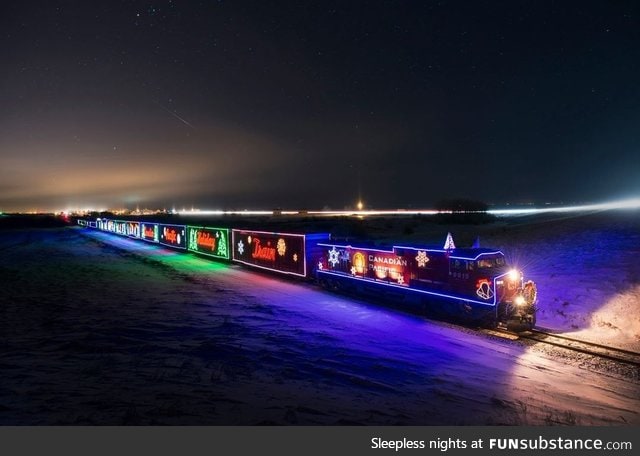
352	351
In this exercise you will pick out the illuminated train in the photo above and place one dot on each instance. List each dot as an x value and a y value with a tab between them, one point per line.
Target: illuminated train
472	284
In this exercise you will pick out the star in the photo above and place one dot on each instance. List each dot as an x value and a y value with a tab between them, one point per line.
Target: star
400	279
320	265
353	270
240	247
295	257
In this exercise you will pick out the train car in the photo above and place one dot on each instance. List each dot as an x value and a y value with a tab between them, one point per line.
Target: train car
128	228
211	242
472	284
104	224
149	232
172	235
284	253
132	229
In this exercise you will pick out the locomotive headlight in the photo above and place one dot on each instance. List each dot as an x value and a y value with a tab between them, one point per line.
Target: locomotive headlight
514	274
519	300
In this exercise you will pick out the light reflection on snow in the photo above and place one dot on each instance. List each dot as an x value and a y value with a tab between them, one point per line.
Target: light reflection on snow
548	391
616	323
392	359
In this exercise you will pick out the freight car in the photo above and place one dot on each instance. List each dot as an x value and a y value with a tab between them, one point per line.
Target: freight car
471	284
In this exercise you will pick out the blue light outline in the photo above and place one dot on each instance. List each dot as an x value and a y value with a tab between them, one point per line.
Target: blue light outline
170	245
477	256
395	247
415	290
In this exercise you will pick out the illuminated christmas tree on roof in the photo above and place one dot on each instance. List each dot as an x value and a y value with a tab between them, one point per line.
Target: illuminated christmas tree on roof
448	243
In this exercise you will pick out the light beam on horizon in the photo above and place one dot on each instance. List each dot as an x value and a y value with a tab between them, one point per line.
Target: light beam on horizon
633	203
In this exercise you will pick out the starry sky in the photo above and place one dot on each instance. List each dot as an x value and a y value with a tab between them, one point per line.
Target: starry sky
312	104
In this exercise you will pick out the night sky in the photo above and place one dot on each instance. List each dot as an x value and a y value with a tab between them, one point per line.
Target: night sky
298	104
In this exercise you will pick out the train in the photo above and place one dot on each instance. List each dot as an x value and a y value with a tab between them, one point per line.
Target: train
474	285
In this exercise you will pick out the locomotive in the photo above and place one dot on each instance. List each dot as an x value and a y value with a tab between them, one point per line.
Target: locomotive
473	284
470	284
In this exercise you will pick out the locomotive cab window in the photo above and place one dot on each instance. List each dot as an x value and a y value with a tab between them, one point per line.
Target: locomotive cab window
486	263
462	265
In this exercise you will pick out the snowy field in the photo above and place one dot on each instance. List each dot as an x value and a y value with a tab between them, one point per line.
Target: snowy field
99	329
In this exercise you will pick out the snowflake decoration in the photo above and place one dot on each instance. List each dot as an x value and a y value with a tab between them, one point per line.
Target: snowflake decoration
281	246
401	279
422	259
333	256
353	270
240	247
295	257
320	265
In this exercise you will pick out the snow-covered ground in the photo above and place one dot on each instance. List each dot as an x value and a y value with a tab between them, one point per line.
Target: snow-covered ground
99	329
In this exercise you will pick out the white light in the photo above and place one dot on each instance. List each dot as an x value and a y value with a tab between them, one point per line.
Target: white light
519	300
514	274
623	204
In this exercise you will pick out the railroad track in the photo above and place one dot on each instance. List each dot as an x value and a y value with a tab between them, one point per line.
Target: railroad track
581	346
569	343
